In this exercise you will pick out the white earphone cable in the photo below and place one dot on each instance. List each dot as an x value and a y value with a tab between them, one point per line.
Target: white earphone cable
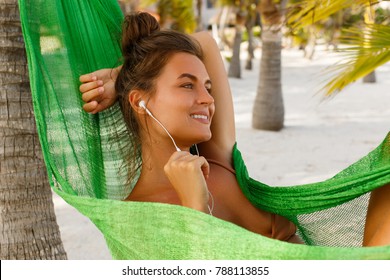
142	104
170	136
210	208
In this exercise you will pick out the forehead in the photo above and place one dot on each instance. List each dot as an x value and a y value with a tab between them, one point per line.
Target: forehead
181	63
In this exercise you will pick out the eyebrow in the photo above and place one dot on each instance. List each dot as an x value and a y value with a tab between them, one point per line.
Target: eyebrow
192	77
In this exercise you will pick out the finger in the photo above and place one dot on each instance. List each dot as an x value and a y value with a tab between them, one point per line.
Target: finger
179	155
90	85
92	94
88	78
105	103
205	167
201	163
186	156
90	107
179	160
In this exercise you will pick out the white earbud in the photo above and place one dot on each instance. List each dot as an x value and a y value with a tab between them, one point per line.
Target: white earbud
142	104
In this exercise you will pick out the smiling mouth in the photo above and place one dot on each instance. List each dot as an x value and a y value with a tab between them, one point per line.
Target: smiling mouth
202	117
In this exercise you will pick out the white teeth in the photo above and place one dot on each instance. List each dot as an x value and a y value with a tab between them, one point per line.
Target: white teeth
199	117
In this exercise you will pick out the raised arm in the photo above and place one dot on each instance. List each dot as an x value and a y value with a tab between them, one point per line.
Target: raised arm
223	126
98	92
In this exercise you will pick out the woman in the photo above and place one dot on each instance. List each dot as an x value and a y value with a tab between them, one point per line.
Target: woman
174	93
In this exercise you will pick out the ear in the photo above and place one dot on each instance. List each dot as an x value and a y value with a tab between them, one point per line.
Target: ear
135	96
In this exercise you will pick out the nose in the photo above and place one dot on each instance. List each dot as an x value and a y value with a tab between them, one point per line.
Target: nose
204	97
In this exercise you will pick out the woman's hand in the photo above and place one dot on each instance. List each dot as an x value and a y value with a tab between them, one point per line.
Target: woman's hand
98	90
188	173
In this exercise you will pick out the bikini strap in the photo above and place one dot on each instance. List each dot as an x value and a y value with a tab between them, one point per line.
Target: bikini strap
228	168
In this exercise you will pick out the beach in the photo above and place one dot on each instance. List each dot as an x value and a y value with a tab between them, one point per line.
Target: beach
321	136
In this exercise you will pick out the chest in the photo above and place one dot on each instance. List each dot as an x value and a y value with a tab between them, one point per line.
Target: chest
226	200
230	204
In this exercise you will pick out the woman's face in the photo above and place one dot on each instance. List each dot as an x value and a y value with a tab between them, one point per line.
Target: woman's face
182	102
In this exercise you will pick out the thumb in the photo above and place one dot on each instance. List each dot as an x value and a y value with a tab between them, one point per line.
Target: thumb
205	167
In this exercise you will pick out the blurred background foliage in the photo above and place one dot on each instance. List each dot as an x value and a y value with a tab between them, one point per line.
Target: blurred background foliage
307	24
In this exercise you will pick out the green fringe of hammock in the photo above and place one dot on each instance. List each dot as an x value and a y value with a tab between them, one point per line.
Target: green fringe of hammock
85	157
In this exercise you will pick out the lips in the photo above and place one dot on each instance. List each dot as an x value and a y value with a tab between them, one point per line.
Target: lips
201	117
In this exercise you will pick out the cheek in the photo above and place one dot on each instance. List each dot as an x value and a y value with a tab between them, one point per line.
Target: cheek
212	112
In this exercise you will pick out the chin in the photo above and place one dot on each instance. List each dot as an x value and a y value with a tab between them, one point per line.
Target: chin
194	138
205	138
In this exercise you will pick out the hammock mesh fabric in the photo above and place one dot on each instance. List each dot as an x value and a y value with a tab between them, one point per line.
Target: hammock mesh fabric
86	156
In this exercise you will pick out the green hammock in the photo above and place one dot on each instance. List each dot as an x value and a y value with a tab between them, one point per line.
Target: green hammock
86	155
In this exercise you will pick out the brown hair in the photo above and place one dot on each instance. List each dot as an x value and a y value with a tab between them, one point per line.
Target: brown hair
146	50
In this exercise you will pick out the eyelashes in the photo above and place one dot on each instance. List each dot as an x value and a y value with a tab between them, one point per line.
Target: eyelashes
192	86
188	86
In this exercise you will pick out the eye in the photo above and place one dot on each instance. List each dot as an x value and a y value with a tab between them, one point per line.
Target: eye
188	86
208	88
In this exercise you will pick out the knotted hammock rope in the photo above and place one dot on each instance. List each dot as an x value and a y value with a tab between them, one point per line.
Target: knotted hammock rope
85	157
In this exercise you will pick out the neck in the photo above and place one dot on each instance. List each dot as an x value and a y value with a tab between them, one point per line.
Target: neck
154	157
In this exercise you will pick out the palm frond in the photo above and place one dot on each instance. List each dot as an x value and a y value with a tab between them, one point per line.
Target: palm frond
183	13
306	12
180	11
225	3
368	49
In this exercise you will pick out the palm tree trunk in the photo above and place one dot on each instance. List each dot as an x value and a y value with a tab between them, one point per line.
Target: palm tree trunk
199	17
28	227
268	110
370	78
235	64
369	18
249	24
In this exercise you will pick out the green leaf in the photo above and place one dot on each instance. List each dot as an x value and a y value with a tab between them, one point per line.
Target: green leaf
368	49
307	12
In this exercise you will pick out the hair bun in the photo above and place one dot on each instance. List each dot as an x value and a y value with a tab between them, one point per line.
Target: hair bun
137	26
